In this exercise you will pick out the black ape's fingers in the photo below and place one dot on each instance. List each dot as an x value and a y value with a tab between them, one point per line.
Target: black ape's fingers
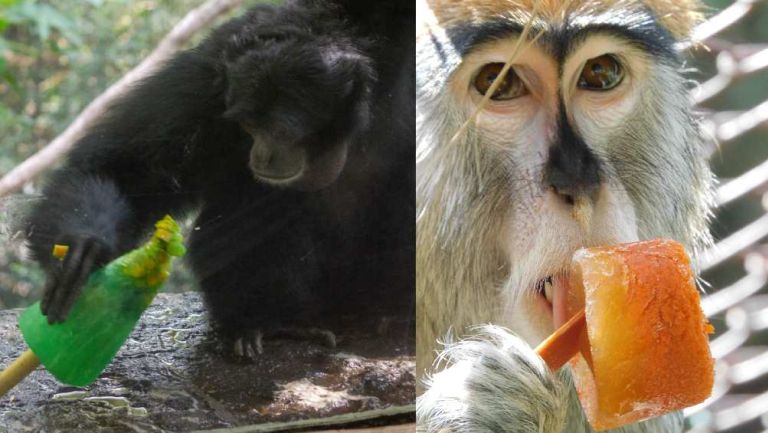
65	283
90	261
63	287
248	347
51	283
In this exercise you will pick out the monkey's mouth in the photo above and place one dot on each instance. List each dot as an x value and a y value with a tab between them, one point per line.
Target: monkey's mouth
555	291
544	287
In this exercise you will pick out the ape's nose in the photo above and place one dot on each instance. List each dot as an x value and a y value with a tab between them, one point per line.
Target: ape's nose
572	170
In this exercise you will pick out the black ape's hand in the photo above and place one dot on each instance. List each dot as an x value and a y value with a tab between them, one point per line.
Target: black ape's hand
67	277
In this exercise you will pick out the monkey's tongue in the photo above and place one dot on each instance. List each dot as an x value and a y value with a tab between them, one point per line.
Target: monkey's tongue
561	292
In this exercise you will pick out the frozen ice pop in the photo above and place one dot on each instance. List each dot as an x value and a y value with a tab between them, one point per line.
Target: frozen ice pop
112	301
638	330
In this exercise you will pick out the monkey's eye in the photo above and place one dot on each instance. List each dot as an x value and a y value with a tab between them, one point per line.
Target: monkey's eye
601	73
512	86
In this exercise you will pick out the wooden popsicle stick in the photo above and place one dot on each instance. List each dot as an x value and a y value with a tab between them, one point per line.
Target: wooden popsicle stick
17	371
564	343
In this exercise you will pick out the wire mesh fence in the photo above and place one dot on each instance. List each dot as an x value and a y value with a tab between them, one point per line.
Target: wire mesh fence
737	265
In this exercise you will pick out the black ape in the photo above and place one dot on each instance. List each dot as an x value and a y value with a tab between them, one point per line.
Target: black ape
291	130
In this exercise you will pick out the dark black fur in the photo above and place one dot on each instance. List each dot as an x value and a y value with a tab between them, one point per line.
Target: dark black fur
266	256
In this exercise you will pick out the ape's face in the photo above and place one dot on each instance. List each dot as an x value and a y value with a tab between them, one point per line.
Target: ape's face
587	141
301	102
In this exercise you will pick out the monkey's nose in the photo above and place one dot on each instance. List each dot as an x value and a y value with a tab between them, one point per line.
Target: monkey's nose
576	181
571	194
572	170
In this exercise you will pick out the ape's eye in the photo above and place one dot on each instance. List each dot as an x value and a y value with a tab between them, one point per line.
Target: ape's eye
510	88
601	73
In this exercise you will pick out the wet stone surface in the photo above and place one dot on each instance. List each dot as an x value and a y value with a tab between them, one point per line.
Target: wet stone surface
172	376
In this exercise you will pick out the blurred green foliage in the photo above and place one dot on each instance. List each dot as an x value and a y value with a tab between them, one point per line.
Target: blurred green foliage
55	57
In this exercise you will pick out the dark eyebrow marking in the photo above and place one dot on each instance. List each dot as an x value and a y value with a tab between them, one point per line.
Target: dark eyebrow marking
637	26
469	36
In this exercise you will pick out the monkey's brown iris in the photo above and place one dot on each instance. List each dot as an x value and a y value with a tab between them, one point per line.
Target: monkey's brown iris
601	73
510	88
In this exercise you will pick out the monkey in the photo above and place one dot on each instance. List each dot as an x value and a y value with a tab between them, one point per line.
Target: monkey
289	134
587	139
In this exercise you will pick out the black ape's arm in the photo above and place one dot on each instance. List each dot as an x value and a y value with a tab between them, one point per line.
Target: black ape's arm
141	161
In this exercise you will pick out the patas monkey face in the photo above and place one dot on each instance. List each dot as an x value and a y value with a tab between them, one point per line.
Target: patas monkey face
587	140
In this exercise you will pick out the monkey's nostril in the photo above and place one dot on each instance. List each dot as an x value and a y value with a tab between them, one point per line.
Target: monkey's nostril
566	195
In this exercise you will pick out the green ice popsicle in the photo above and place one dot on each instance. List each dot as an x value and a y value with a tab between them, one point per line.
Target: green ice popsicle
112	301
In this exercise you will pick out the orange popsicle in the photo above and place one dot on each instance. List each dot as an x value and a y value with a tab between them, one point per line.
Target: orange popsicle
646	350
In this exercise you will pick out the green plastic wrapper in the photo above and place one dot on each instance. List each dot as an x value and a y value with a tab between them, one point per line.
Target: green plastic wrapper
77	350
